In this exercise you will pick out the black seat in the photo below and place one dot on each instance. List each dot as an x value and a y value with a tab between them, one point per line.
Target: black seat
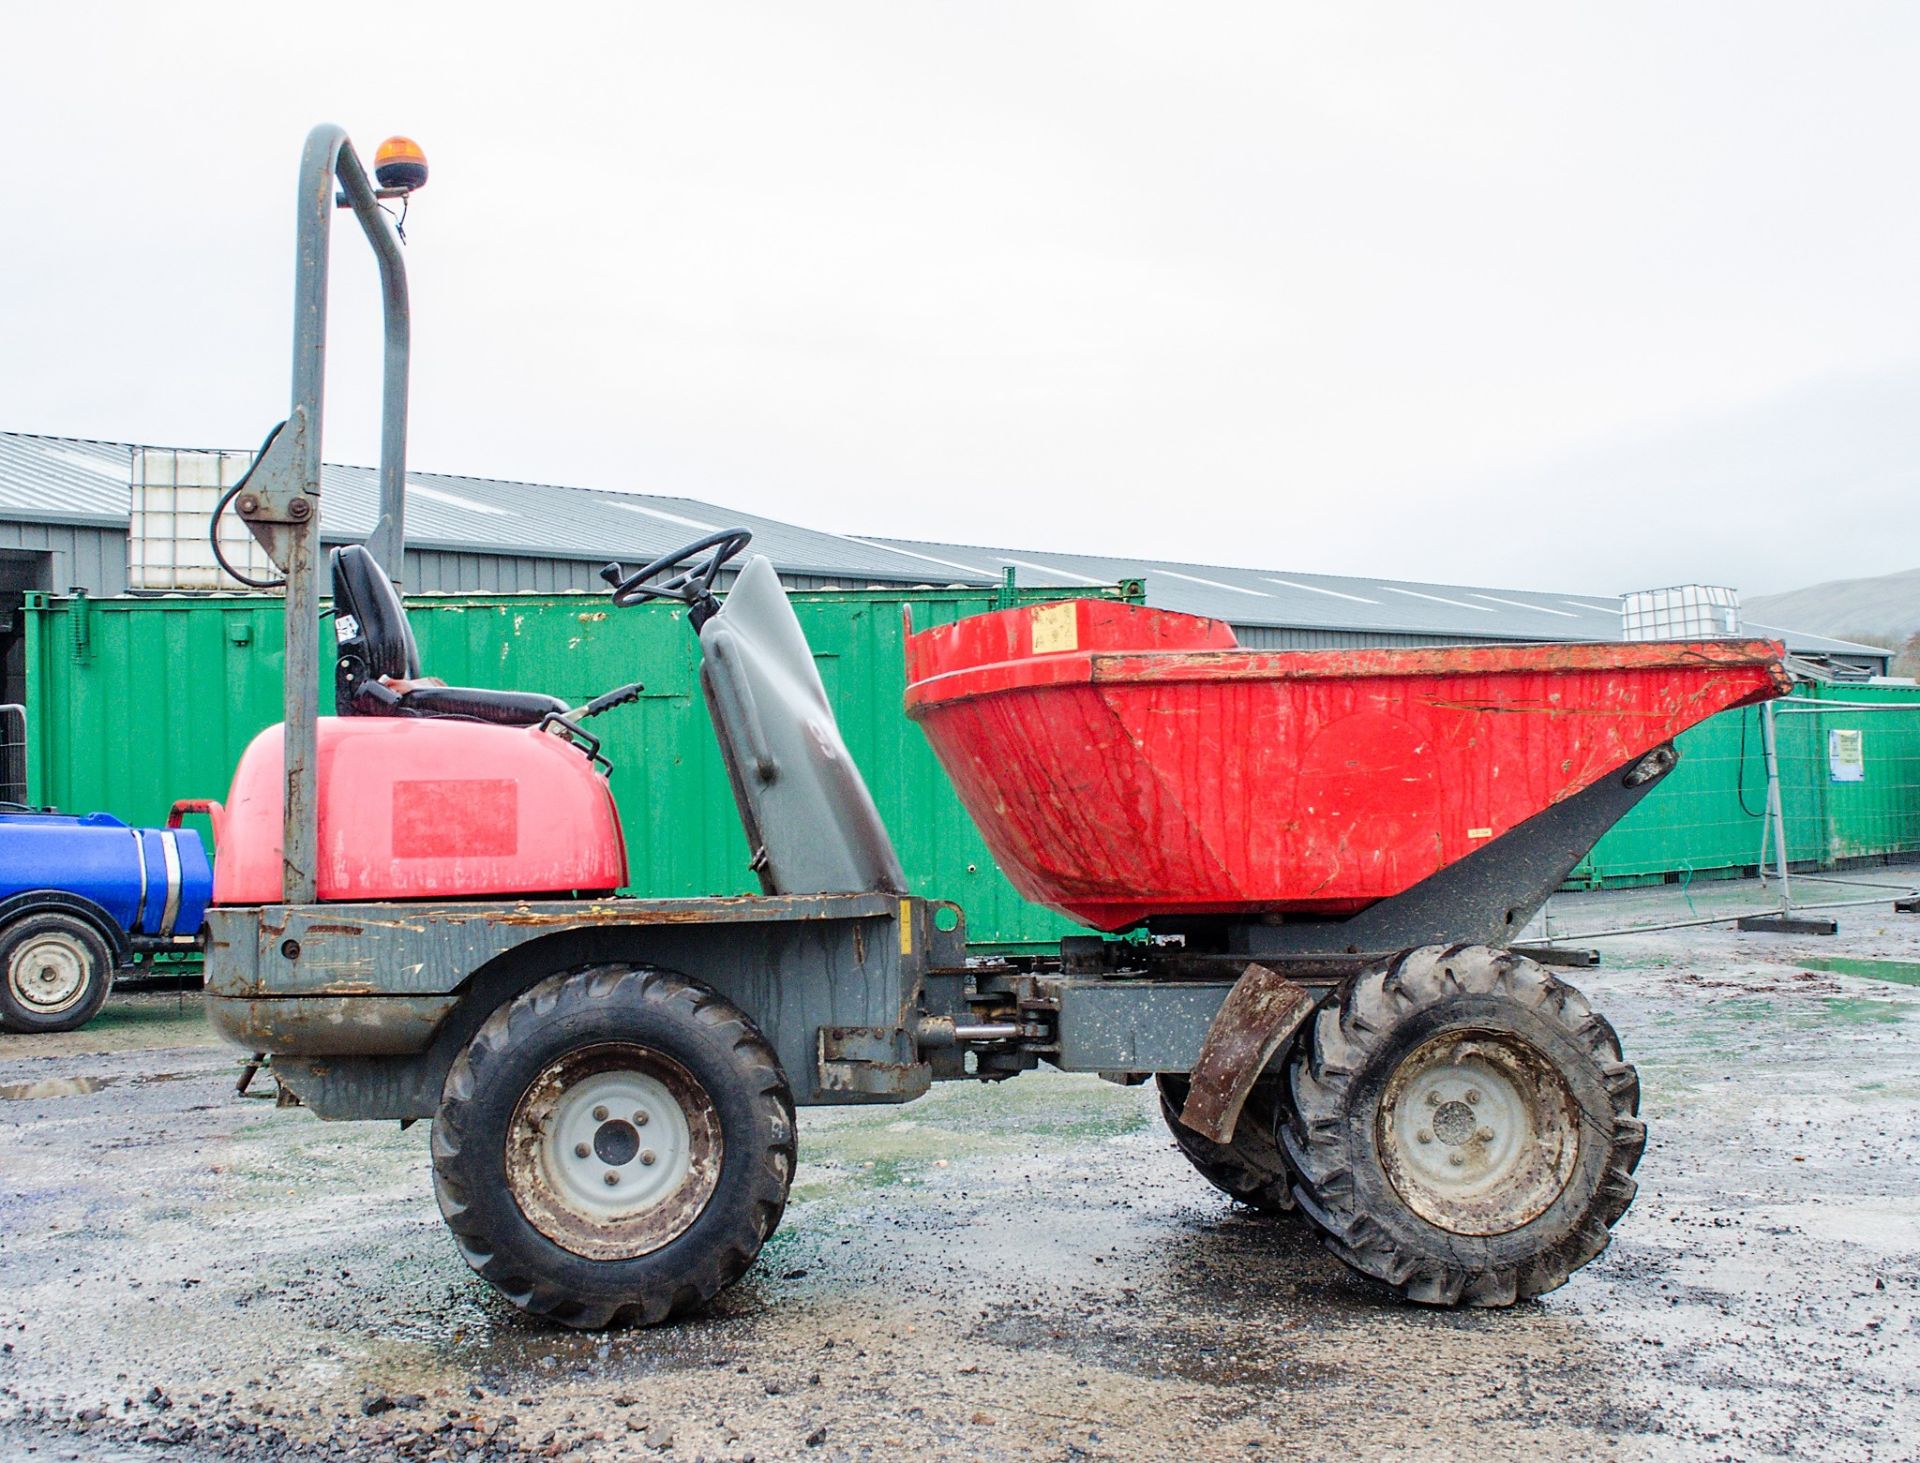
375	640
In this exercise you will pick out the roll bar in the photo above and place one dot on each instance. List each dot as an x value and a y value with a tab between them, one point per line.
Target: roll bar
280	498
329	155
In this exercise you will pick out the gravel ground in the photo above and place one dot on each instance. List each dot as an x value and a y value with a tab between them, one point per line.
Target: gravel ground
1025	1271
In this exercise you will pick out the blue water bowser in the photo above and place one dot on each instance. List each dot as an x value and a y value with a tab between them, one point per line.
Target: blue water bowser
82	896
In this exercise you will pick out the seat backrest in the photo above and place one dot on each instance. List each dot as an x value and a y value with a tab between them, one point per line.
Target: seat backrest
370	627
810	821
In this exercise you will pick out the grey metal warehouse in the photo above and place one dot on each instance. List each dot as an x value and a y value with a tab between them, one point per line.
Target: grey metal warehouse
67	506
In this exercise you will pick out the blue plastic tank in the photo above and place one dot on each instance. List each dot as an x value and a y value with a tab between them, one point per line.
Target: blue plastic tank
153	881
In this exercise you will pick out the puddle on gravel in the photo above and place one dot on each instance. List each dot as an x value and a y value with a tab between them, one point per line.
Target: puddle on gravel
1900	972
1159	1348
79	1086
53	1087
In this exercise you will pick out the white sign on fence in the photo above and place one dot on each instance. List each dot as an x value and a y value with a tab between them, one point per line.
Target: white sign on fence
1847	755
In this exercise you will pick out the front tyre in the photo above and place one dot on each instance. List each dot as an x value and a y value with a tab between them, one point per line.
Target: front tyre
1464	1128
613	1147
55	972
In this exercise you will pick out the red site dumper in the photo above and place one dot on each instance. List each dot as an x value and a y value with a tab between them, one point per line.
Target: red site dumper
1301	871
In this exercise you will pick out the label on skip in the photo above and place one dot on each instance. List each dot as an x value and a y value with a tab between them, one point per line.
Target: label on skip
1056	627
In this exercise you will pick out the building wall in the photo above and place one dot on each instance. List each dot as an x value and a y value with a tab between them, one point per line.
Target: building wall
435	571
94	559
1282	637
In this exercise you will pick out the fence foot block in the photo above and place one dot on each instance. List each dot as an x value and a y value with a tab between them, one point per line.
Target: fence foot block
1558	955
1907	906
1788	924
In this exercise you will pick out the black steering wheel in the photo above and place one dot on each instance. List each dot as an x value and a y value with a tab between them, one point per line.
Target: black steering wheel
690	586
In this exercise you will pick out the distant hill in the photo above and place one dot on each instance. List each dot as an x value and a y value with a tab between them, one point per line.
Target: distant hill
1885	607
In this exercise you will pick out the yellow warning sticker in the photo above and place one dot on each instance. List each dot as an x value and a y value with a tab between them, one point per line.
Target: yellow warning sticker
906	926
1056	627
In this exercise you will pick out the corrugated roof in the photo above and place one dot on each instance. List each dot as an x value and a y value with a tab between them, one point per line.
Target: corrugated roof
69	480
64	479
1292	600
75	480
491	516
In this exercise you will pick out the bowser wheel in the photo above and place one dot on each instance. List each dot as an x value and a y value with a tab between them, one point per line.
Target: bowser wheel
1252	1167
613	1147
55	972
1464	1128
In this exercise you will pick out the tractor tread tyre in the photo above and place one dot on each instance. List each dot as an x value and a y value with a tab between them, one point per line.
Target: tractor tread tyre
92	957
662	1012
1251	1169
1339	1075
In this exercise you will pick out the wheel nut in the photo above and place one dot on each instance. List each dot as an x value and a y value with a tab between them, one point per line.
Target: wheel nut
580	1150
1485	1135
1473	1094
612	1178
646	1156
1424	1136
642	1118
1433	1098
1455	1159
599	1114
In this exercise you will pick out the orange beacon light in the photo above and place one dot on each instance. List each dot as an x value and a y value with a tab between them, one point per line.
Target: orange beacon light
400	164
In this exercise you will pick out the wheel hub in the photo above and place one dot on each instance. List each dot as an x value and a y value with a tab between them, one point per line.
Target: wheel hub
48	974
613	1152
1477	1132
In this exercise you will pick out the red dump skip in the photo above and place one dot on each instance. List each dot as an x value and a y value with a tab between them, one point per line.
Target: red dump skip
1124	762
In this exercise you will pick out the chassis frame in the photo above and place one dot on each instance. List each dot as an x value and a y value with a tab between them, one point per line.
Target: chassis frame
865	998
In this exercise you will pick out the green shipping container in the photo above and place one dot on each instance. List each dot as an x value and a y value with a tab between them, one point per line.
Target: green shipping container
1849	788
135	702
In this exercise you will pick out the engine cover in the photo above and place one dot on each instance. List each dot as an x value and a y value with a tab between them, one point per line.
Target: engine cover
427	809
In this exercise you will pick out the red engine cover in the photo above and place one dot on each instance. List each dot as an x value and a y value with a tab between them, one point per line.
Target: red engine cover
419	809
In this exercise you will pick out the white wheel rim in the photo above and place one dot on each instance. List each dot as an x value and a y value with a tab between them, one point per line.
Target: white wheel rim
615	1145
1477	1132
613	1151
48	974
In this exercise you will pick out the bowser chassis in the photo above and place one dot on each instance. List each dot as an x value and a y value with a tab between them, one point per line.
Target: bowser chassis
613	1080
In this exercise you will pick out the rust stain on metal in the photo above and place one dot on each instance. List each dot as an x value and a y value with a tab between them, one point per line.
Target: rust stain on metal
1260	1013
1492	1182
729	907
611	1234
1320	665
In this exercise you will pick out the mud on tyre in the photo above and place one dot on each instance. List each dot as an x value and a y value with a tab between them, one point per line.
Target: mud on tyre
613	1147
1463	1128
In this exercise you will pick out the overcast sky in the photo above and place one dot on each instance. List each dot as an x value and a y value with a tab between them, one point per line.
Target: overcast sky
1596	297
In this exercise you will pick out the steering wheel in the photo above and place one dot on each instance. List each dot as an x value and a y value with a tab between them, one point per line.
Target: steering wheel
690	586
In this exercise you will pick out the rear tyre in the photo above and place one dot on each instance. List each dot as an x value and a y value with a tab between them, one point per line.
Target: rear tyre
55	972
1464	1127
613	1147
1251	1168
